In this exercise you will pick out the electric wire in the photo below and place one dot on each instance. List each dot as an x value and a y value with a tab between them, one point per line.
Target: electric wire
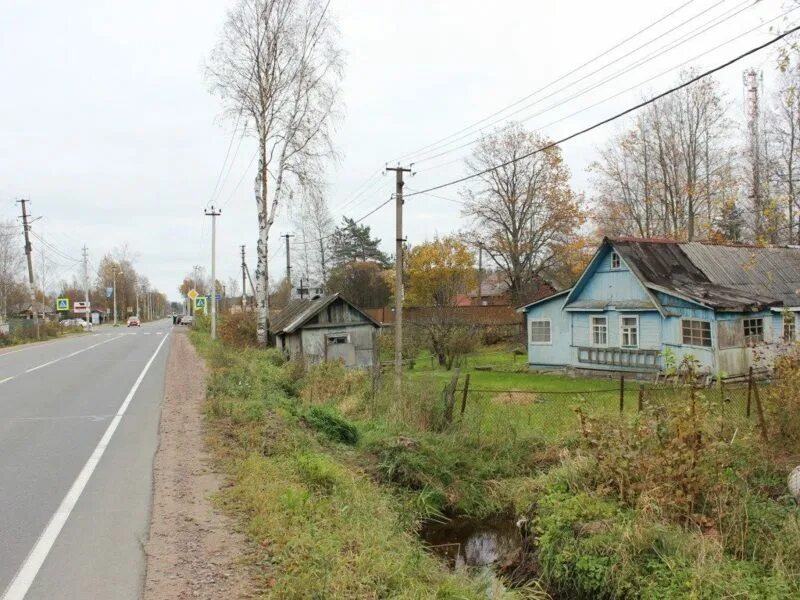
616	116
659	52
555	81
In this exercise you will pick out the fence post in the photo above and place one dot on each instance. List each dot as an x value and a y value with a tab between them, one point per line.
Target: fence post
621	393
641	396
464	396
761	421
450	396
749	390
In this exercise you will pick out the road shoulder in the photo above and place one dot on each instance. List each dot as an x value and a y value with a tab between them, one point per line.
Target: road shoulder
193	550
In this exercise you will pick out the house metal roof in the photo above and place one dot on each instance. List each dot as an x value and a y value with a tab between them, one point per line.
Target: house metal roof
299	311
737	278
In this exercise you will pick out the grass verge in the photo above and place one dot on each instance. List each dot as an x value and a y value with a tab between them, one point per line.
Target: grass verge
324	528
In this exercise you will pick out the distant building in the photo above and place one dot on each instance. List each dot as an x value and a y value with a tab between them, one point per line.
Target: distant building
326	329
495	291
639	298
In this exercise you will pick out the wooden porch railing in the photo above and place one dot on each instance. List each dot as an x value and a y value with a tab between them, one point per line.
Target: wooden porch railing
633	358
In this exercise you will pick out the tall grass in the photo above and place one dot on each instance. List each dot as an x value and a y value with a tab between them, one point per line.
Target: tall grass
321	526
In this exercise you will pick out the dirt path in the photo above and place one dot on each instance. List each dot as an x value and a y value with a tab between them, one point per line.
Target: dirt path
192	551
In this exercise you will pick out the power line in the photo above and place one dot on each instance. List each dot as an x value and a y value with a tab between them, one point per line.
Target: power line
555	81
356	222
662	50
614	117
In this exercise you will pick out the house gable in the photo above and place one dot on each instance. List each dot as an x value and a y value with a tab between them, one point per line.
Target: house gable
608	281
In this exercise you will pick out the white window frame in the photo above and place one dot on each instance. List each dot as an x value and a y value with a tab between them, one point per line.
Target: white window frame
591	330
710	334
615	258
622	318
549	342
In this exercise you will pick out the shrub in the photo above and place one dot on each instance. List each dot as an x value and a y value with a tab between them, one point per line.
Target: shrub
238	330
327	421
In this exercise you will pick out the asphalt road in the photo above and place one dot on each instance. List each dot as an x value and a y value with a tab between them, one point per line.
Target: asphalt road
78	432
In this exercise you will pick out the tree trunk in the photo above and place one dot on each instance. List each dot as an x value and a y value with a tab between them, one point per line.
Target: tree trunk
262	250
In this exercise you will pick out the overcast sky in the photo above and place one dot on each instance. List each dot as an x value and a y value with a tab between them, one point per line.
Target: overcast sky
106	122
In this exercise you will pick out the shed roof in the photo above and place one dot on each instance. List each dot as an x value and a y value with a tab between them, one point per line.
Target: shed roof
722	277
298	312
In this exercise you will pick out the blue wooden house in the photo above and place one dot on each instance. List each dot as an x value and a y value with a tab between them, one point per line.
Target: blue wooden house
729	306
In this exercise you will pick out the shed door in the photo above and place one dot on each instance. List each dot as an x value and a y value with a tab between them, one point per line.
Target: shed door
339	347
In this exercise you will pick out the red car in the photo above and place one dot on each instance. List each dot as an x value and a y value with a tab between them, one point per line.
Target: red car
134	322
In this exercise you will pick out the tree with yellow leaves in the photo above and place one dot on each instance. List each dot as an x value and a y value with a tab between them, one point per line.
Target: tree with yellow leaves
438	271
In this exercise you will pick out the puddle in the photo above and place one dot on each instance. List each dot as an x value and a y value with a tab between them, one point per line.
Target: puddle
494	542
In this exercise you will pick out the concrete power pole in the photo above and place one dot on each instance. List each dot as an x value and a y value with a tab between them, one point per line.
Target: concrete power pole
398	277
288	259
213	214
244	282
28	251
86	286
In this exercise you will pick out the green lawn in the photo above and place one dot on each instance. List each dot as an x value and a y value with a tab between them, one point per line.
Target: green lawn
511	398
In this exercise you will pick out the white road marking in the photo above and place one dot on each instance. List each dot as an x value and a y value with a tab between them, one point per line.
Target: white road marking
146	333
159	333
52	362
24	578
6	379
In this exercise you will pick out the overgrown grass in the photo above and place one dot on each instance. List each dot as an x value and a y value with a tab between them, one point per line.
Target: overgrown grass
333	479
323	527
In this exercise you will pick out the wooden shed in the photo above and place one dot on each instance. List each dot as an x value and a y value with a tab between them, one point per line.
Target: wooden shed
326	329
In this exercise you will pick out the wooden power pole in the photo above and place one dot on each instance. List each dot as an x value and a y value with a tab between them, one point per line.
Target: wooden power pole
244	282
398	277
26	227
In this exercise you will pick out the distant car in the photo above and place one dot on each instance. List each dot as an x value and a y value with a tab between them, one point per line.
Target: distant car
74	323
187	320
134	322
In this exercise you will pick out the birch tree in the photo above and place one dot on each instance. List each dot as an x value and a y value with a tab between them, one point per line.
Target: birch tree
277	66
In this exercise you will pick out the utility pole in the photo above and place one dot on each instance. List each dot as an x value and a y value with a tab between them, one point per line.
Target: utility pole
213	214
244	282
752	111
398	277
288	259
115	269
86	286
28	250
480	274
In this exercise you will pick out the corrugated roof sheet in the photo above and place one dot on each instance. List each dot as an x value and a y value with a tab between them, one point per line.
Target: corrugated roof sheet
722	277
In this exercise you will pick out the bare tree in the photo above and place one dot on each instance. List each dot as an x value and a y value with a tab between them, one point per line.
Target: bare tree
668	173
315	224
11	263
522	211
784	132
278	64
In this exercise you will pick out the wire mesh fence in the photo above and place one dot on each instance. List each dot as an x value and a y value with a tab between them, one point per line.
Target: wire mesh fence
554	413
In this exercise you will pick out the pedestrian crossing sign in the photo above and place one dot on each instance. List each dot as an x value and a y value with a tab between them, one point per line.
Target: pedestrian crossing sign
62	304
200	303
